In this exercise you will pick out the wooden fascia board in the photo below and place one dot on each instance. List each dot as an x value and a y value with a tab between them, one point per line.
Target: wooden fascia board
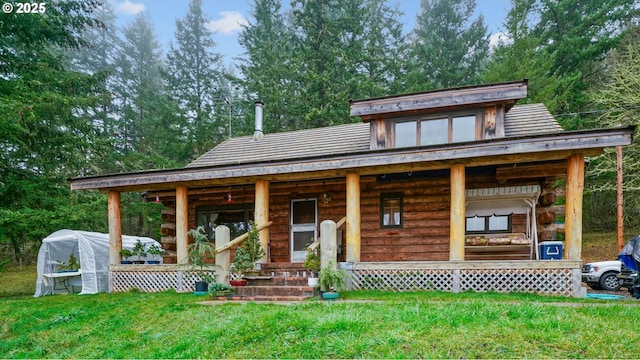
544	147
520	171
440	99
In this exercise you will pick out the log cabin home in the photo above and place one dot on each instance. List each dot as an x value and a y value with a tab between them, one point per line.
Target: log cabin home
451	190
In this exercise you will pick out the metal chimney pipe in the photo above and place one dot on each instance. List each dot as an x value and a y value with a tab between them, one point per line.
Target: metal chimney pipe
258	134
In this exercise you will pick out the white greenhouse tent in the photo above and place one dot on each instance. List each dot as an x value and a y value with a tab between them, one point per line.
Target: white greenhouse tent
91	249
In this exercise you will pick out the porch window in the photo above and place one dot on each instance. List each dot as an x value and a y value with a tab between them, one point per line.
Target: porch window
435	131
235	217
391	210
488	224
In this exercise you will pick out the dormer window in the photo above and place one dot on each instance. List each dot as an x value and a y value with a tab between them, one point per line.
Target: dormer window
436	130
439	117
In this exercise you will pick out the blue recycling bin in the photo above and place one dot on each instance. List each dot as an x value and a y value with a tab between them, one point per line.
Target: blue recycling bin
551	250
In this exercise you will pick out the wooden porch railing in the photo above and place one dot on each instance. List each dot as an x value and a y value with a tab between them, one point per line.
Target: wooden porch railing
316	243
240	239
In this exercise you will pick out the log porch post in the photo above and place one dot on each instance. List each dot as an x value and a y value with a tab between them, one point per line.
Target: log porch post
573	210
353	217
182	224
223	259
261	215
328	243
115	227
457	215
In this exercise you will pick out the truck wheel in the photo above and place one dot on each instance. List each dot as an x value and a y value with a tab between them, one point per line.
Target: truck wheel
609	281
595	286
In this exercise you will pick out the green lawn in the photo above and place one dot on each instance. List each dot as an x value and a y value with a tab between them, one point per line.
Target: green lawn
369	325
385	325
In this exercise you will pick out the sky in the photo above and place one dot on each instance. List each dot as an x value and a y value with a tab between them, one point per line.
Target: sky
227	15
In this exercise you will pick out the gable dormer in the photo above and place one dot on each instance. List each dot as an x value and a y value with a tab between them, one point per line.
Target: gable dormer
439	117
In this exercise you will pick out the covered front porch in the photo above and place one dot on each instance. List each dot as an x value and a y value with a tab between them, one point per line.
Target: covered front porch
453	273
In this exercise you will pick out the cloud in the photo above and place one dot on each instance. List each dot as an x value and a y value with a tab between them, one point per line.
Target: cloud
128	8
231	21
499	38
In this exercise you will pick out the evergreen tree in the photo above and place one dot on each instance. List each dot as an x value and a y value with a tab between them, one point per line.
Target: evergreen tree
150	135
371	49
517	56
43	140
99	58
194	76
306	67
619	100
266	65
447	47
577	35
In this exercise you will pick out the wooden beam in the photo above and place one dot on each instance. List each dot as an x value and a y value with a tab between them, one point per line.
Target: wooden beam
521	171
261	215
115	227
573	211
353	217
441	99
240	239
500	112
490	122
457	217
182	224
620	198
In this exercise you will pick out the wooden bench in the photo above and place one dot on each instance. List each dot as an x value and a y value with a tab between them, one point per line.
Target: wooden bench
479	247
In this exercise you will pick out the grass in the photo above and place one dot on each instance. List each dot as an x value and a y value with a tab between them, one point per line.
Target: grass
372	324
385	325
18	280
603	246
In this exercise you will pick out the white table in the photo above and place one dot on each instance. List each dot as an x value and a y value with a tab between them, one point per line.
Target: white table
68	280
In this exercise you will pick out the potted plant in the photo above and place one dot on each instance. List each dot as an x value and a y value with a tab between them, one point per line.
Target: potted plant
71	266
241	263
155	251
140	251
219	289
125	254
332	280
312	263
248	253
199	251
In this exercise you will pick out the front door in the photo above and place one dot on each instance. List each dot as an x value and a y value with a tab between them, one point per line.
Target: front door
304	227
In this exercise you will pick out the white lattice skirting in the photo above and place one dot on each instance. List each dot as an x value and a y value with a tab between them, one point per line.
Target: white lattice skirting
152	279
549	278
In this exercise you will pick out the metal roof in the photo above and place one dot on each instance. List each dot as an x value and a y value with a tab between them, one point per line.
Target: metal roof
346	139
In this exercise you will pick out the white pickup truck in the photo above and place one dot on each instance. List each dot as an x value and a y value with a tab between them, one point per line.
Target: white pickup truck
602	275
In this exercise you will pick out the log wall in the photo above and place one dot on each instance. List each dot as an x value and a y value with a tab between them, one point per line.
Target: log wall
424	235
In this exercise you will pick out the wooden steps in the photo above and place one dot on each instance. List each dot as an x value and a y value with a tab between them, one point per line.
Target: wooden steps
276	282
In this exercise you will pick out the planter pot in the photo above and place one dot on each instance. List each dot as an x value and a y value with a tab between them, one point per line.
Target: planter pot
138	261
127	262
238	282
201	286
330	295
153	262
312	281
